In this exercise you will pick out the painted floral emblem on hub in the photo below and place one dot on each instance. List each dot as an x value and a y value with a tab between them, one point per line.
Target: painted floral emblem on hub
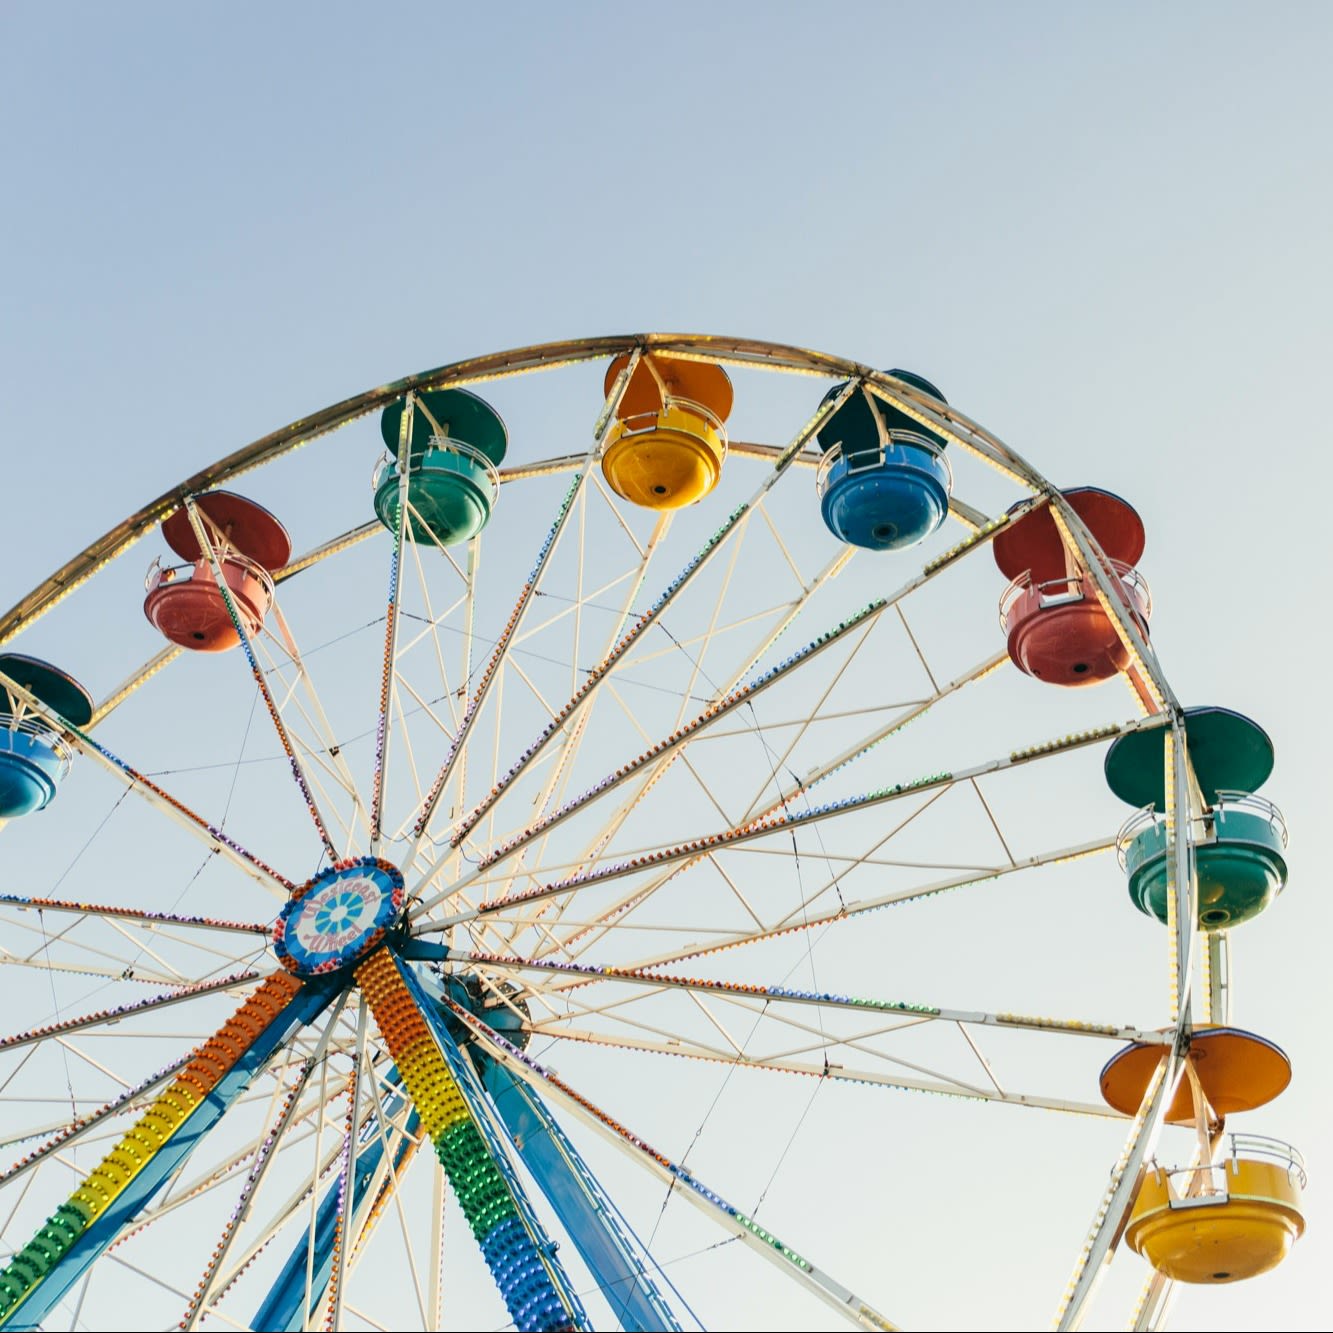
339	917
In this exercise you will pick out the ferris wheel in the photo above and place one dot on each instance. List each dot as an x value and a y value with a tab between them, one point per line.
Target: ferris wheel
619	785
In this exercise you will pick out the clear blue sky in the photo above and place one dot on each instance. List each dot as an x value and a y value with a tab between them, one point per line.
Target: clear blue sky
1105	230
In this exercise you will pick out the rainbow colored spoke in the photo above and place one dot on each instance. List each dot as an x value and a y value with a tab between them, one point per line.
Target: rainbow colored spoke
65	1135
111	1196
535	1289
216	1175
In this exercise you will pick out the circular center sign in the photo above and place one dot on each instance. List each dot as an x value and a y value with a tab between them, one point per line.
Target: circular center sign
339	917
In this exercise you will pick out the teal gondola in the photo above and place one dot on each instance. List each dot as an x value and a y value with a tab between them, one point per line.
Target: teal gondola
458	443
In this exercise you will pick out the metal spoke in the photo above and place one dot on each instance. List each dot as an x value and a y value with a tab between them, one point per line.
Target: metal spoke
200	526
665	756
333	1298
863	620
520	610
102	973
1107	1222
849	911
662	981
262	1159
594	678
536	864
156	796
670	749
797	819
802	1038
173	1290
384	725
562	767
835	1072
149	919
436	1311
107	1016
286	1211
129	966
336	765
845	1302
117	972
390	1189
283	1301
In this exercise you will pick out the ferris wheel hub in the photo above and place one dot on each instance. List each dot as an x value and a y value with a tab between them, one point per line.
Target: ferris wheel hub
339	917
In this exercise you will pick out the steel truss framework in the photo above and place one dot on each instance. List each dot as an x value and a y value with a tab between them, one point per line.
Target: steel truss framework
572	855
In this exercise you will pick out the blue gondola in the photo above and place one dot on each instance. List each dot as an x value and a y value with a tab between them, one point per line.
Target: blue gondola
884	482
34	758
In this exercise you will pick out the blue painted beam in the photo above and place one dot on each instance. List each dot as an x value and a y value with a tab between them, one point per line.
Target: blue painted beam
579	1201
281	1311
37	1305
584	1209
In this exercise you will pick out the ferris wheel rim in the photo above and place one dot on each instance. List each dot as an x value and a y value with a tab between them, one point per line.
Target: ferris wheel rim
753	353
957	427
